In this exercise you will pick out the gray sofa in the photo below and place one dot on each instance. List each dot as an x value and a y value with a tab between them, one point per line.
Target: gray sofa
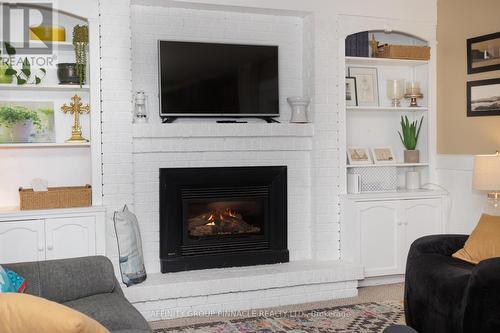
87	285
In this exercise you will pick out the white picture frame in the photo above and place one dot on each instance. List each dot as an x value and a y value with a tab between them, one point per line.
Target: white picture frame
358	156
383	155
366	85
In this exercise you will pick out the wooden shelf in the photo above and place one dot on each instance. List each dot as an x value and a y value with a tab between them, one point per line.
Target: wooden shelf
363	61
399	194
397	165
43	145
387	108
58	87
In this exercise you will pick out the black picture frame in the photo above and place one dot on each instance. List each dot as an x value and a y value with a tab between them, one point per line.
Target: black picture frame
495	99
354	92
474	54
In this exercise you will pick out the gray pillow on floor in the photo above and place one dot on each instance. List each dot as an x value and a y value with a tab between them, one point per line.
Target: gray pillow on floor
129	247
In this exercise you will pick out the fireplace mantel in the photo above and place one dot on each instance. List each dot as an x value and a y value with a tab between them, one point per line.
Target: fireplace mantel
210	129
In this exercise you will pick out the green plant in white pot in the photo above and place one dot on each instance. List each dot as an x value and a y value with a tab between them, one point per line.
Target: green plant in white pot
20	122
410	132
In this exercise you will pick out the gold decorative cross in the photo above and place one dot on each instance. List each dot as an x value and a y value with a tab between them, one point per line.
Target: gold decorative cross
76	108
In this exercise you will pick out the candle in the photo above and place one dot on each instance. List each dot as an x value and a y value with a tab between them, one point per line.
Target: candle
395	91
413	88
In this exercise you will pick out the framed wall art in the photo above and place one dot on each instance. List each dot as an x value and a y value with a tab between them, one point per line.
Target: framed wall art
383	155
358	156
351	98
483	53
483	98
26	122
366	85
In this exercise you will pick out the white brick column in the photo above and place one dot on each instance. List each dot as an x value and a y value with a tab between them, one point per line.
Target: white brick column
116	97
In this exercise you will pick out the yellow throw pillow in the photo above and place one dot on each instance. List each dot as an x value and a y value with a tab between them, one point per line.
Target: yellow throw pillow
483	243
22	313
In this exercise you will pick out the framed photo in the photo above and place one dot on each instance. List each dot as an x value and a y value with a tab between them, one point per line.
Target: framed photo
357	155
351	97
483	98
26	122
383	155
366	85
483	53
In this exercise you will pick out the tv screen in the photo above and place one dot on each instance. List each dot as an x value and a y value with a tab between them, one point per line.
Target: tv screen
208	79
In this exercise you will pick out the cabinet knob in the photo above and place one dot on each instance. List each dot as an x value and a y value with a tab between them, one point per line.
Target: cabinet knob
40	247
400	223
50	247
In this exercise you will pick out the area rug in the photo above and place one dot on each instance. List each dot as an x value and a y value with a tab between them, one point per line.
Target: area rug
356	318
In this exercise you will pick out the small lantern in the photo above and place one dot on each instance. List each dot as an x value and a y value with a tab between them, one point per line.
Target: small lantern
140	107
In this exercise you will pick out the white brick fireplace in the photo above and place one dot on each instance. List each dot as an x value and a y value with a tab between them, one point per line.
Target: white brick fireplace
133	154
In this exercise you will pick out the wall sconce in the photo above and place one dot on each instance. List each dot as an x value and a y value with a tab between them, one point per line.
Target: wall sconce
140	108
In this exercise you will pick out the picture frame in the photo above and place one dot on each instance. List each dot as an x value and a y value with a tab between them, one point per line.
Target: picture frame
27	122
358	156
366	85
483	53
483	98
383	155
351	97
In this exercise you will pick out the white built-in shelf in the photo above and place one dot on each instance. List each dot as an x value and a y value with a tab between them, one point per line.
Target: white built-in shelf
398	165
60	46
56	87
363	61
43	145
399	194
387	108
7	214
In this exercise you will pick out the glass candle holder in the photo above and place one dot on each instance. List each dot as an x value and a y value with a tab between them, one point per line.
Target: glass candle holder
395	91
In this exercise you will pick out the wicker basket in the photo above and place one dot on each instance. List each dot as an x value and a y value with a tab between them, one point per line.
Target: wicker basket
404	52
56	197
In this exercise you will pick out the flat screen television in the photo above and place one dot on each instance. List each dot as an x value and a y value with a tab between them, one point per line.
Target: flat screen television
217	80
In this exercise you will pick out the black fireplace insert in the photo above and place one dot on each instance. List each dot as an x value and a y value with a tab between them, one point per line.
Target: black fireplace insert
222	217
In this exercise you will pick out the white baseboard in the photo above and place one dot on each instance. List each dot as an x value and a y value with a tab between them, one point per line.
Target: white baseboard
381	280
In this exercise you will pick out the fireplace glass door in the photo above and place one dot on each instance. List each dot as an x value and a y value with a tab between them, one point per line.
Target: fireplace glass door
224	218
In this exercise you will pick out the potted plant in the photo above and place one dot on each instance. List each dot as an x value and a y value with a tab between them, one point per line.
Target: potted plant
19	121
25	75
81	42
4	67
409	138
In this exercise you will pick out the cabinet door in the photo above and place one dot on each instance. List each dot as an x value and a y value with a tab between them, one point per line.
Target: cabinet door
380	232
70	237
421	218
22	241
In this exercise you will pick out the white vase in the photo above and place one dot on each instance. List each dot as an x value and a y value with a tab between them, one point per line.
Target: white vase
21	131
299	108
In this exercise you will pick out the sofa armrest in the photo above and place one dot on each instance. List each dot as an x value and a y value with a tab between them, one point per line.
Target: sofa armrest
444	245
482	310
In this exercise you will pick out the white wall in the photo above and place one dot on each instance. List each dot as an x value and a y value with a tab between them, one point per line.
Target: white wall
455	174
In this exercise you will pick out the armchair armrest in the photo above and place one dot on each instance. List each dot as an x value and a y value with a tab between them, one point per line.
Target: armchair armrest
482	310
444	245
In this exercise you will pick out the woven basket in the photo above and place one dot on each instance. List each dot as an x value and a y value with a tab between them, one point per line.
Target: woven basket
56	197
404	52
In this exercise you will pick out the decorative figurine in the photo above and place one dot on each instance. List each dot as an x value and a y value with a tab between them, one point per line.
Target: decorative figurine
76	108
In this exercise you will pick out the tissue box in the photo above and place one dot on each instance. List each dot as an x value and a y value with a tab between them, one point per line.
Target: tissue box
56	197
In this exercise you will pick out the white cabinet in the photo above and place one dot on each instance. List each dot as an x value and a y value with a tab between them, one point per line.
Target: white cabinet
51	234
379	233
70	237
379	255
22	241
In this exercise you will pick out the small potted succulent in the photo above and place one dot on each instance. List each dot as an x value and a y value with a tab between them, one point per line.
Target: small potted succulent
409	138
19	121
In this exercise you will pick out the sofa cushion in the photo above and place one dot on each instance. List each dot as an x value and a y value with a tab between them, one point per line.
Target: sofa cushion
483	243
111	310
22	313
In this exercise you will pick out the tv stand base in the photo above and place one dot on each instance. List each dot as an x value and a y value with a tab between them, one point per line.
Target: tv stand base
269	120
168	120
